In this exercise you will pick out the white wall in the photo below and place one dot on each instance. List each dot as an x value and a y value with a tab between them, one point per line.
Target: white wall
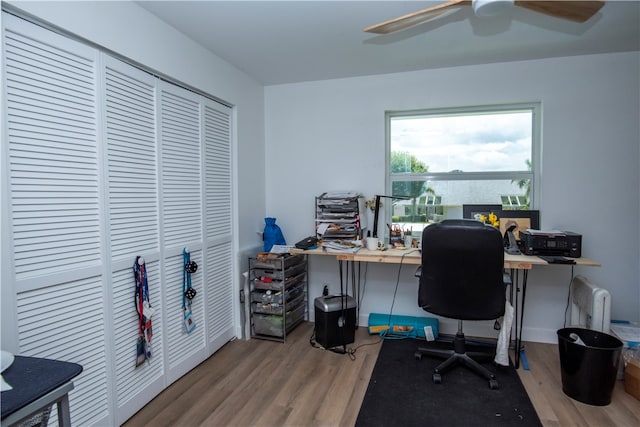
329	135
130	31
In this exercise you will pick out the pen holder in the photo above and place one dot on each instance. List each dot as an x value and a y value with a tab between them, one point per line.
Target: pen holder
395	238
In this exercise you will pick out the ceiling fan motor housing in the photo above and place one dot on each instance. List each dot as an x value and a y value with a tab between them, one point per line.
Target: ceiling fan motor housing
490	7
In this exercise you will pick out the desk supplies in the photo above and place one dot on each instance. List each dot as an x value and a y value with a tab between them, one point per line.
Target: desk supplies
395	236
376	210
340	215
307	243
557	259
372	243
510	244
342	246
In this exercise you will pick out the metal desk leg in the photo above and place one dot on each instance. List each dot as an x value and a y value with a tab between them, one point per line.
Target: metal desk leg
356	289
518	346
355	283
64	414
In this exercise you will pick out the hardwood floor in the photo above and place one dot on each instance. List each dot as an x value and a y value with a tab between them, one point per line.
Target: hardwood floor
264	383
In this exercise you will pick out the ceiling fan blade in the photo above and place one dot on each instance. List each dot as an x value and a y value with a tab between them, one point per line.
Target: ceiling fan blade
578	11
414	18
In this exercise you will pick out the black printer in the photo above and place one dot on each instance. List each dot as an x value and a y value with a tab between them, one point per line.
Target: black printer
554	243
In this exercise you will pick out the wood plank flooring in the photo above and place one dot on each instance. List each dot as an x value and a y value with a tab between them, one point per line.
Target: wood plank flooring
264	383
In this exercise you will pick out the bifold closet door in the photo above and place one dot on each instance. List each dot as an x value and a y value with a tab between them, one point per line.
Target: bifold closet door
105	162
181	224
218	224
133	228
55	204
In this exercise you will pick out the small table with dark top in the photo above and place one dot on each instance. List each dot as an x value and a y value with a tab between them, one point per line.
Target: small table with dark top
37	384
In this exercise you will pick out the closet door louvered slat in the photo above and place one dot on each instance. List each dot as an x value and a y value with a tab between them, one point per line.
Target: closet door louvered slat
53	169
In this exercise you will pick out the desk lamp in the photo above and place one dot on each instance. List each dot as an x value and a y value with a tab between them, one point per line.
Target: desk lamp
376	210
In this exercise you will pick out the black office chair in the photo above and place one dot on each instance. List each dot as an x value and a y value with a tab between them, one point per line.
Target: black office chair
462	277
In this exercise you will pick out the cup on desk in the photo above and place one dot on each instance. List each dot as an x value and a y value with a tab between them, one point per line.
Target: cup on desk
372	243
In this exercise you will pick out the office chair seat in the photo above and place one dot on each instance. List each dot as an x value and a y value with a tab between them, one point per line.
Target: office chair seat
462	277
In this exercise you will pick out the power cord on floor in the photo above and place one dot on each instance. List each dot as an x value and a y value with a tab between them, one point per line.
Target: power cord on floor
351	351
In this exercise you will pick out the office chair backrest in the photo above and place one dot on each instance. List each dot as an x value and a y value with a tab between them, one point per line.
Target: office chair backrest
462	270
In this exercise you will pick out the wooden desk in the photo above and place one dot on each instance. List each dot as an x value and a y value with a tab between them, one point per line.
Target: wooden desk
514	263
413	257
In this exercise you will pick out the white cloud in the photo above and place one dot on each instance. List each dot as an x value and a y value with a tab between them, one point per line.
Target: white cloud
495	142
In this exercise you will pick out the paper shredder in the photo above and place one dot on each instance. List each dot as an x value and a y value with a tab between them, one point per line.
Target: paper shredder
335	317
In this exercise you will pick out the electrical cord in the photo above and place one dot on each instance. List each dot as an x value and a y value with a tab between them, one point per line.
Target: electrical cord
351	352
364	285
388	333
342	309
342	296
566	309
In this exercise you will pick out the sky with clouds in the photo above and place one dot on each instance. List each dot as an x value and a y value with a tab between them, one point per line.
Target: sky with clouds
470	143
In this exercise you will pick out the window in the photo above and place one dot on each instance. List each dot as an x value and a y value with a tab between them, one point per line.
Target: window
439	160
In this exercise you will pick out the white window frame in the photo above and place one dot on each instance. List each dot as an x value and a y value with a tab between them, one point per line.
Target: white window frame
536	141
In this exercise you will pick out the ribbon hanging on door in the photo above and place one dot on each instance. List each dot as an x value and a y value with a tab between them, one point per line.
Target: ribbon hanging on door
145	311
188	293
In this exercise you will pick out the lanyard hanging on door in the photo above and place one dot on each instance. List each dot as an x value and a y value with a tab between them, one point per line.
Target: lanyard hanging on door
145	311
188	293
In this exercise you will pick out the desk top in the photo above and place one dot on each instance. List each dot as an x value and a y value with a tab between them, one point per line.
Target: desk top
32	378
413	257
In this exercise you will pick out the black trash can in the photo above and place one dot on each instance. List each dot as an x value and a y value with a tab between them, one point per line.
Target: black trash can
589	370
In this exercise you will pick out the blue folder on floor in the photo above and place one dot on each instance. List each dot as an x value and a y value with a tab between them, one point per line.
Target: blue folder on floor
409	326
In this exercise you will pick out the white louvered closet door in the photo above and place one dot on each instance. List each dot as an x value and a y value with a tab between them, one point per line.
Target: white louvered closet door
133	227
181	223
106	162
217	160
55	207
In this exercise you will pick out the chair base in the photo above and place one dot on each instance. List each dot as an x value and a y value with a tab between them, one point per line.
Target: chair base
459	356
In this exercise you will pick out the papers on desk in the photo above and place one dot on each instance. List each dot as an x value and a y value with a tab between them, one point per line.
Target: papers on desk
545	232
342	246
340	195
337	231
281	249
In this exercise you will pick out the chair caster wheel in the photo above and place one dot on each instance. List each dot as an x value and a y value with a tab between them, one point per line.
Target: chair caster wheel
437	378
417	355
493	384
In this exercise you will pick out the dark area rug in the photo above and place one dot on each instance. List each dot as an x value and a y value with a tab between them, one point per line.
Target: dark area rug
401	392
